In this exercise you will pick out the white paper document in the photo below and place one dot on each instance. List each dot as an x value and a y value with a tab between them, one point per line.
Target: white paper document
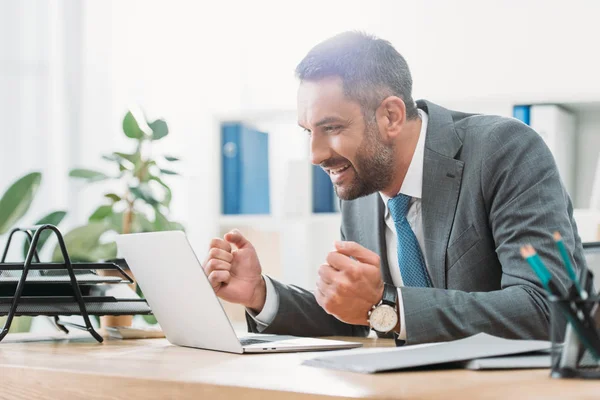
380	360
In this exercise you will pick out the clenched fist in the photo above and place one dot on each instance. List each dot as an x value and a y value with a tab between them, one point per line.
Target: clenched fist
233	269
349	283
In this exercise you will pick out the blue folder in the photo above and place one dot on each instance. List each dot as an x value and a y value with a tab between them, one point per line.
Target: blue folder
245	173
323	196
522	113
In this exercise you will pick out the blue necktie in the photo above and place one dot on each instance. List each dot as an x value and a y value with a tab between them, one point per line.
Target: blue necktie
410	257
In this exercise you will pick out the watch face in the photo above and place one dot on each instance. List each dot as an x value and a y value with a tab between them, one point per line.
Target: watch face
383	318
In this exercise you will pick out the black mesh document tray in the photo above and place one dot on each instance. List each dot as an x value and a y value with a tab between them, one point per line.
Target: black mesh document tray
67	305
33	288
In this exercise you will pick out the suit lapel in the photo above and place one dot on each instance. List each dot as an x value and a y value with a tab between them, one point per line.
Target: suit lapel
442	175
382	246
372	230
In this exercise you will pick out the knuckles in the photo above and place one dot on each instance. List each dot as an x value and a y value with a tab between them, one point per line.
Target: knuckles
213	252
352	273
331	303
341	288
377	259
323	271
215	242
212	265
331	257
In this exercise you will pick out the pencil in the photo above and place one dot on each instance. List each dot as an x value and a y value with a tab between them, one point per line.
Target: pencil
565	256
589	339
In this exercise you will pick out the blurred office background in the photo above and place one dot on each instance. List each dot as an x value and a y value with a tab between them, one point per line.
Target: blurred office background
70	70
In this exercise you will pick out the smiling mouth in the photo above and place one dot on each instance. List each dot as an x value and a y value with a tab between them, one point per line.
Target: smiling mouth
337	171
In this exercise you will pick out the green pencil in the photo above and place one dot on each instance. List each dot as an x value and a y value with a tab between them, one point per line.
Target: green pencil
565	256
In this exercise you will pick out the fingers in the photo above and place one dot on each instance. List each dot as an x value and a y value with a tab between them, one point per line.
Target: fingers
235	237
362	254
327	298
220	254
216	265
321	294
327	273
217	258
218	243
340	261
218	278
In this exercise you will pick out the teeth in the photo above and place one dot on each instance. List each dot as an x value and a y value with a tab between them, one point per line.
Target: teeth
337	171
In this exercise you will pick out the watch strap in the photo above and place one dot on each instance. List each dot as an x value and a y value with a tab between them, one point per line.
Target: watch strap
390	295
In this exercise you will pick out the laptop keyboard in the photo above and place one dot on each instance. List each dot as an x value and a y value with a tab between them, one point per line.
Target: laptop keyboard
249	341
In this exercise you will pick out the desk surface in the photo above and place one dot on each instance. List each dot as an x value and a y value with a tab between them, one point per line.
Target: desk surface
153	368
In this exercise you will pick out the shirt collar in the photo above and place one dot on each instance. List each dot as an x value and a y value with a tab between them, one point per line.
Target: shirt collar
413	181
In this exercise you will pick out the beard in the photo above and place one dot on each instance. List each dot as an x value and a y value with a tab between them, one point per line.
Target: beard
373	167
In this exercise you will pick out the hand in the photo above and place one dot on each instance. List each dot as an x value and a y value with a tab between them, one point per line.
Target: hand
235	274
347	287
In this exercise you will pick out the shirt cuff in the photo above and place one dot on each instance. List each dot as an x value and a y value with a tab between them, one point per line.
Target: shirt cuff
267	314
402	333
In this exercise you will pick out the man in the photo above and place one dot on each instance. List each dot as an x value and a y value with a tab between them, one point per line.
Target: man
435	207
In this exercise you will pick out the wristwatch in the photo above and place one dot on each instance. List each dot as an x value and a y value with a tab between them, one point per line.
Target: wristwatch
383	317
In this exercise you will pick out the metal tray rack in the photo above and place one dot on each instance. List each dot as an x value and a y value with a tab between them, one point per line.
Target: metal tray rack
60	289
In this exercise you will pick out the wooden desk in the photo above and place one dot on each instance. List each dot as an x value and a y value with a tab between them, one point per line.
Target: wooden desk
152	368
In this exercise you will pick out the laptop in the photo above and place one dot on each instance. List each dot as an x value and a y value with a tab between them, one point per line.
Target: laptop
185	305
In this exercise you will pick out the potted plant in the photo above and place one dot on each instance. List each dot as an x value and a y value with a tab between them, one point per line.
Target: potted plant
139	201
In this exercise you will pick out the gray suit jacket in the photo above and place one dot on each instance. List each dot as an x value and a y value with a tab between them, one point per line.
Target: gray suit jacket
490	185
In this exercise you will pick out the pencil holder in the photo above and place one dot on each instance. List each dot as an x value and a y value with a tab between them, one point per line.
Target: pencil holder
575	344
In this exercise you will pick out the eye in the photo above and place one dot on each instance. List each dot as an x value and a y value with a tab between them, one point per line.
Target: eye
331	128
307	131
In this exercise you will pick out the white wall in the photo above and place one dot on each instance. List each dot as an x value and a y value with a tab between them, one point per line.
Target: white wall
69	70
588	150
189	61
35	113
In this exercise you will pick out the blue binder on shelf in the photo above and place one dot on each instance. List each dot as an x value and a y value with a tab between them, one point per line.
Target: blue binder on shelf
522	113
323	195
245	167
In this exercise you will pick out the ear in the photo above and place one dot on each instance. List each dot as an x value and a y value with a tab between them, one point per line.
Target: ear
391	117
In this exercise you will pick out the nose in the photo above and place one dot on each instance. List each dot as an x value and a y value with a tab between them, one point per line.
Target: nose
319	149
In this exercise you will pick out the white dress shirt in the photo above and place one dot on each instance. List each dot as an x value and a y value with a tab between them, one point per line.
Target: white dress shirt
412	186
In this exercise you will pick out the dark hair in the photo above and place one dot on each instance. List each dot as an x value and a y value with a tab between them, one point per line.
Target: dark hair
370	68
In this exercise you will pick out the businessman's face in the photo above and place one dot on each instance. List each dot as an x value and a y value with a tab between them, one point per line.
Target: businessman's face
348	147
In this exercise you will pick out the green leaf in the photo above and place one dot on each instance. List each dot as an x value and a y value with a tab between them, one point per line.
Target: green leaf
17	200
171	158
168	172
115	222
176	226
110	157
54	218
142	223
105	251
159	129
133	158
150	319
131	127
114	197
168	193
88	174
143	192
81	242
161	223
101	213
141	171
